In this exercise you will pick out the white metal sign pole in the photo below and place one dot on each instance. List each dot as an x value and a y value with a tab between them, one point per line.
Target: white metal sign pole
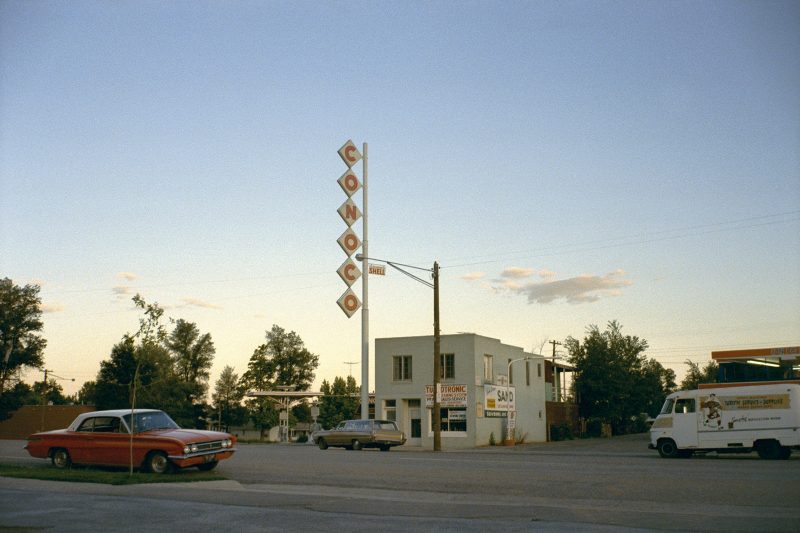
365	296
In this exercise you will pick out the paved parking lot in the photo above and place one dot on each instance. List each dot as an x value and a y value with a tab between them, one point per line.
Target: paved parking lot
592	485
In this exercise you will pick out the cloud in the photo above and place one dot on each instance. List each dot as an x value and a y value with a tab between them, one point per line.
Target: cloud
194	302
585	288
473	276
122	290
517	272
52	308
130	276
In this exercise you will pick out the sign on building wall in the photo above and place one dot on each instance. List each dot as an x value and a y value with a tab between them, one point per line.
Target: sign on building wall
449	395
498	401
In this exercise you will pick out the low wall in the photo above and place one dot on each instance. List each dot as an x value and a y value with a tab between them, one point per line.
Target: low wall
32	418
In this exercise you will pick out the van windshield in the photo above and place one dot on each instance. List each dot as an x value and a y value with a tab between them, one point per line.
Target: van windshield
667	409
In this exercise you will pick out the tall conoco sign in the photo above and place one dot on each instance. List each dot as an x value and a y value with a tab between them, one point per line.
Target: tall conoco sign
349	241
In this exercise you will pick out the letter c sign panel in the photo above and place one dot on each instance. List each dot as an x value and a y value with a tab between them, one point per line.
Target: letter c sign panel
349	154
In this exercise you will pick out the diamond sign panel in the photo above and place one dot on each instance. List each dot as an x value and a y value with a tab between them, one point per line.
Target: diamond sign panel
349	302
349	272
349	154
349	212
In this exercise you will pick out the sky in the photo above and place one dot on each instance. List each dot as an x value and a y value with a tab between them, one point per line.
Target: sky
566	163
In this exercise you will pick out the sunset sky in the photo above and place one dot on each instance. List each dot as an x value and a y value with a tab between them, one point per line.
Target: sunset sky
566	163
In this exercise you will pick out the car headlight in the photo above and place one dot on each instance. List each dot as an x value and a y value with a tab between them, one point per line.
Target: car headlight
186	449
194	448
227	443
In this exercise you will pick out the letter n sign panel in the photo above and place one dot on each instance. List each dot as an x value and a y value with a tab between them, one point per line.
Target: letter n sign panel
349	302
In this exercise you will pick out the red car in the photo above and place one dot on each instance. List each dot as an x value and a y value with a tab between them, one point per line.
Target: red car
159	445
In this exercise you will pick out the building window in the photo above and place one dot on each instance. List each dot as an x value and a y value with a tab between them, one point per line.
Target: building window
528	373
454	418
488	368
402	368
447	366
390	409
538	370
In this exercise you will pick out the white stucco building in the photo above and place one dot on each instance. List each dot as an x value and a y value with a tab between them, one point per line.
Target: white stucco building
475	384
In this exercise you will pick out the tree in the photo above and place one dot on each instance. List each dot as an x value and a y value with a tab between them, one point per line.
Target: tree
696	375
341	401
614	381
20	324
283	361
49	393
192	356
227	399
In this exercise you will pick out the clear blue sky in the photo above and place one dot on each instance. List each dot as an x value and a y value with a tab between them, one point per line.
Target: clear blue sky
567	163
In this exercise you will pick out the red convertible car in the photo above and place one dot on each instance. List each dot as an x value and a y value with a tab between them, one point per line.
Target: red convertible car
105	437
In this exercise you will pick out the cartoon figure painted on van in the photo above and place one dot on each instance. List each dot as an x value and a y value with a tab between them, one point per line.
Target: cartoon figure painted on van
712	408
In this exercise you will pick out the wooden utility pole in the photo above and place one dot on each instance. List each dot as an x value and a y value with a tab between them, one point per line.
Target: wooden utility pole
436	412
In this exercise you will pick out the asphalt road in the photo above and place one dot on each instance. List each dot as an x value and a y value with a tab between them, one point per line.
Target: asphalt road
588	485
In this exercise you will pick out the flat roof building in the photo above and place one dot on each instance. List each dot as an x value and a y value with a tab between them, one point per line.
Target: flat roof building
482	381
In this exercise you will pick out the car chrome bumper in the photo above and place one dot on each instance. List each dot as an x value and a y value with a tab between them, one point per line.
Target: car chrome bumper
187	456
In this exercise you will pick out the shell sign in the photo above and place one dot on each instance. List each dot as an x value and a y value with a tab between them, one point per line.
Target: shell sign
349	241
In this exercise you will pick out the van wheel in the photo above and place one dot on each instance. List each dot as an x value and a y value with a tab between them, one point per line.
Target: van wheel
667	448
768	449
60	458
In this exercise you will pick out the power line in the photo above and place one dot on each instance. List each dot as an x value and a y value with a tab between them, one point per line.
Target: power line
631	240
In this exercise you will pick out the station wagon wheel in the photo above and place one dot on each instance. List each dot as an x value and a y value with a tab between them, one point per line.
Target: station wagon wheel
60	458
322	444
357	445
157	463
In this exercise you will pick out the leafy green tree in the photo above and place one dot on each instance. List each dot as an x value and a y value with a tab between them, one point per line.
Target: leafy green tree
614	380
227	399
87	394
15	397
192	356
341	401
49	393
283	361
21	344
696	375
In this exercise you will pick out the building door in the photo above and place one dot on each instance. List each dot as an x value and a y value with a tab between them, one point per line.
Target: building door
414	429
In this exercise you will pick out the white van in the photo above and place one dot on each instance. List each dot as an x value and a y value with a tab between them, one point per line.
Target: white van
764	418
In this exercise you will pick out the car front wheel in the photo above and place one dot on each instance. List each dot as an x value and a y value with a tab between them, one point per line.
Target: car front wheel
322	444
157	463
357	445
61	459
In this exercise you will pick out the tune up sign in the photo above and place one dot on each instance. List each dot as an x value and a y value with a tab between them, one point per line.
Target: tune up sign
349	241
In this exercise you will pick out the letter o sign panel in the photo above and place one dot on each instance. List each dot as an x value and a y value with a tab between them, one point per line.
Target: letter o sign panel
349	302
349	242
349	183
